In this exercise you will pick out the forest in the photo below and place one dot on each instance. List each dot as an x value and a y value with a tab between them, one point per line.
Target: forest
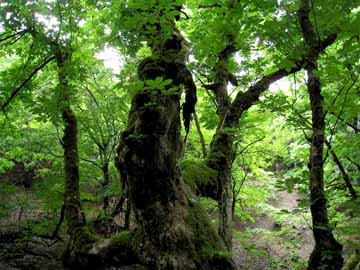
179	134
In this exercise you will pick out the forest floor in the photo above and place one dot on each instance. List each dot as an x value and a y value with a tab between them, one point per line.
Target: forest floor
275	240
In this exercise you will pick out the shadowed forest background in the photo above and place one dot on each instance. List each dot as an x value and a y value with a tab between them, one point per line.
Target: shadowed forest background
180	134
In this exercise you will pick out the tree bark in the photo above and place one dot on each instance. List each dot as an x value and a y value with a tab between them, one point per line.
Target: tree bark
221	149
172	230
75	255
327	252
201	136
73	213
105	185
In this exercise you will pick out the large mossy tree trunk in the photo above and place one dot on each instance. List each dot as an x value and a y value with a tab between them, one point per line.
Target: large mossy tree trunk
327	253
173	231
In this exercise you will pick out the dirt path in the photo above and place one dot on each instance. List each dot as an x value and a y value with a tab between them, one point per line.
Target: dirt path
274	240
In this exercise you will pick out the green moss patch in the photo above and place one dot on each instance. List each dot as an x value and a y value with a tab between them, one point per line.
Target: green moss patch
196	173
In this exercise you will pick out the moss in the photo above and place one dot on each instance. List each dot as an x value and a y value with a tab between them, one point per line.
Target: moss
84	238
211	251
216	159
221	150
119	249
122	237
90	252
76	254
196	173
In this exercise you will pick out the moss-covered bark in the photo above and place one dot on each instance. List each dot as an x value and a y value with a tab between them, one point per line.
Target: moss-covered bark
73	214
80	238
220	159
172	231
200	178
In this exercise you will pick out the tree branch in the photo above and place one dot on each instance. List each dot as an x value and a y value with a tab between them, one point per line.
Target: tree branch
91	162
245	100
28	79
16	35
210	6
344	173
249	144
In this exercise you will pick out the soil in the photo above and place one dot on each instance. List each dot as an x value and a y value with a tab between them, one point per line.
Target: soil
268	251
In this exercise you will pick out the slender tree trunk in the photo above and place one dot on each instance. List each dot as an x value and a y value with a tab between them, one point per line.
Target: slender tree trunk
105	185
225	213
55	234
344	174
71	161
75	255
327	252
221	149
73	213
201	136
127	215
120	204
233	207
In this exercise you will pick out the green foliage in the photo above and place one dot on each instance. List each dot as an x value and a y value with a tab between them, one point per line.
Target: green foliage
7	206
5	164
271	142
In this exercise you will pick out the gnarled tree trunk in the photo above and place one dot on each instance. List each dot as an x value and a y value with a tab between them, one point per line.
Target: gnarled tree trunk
172	230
